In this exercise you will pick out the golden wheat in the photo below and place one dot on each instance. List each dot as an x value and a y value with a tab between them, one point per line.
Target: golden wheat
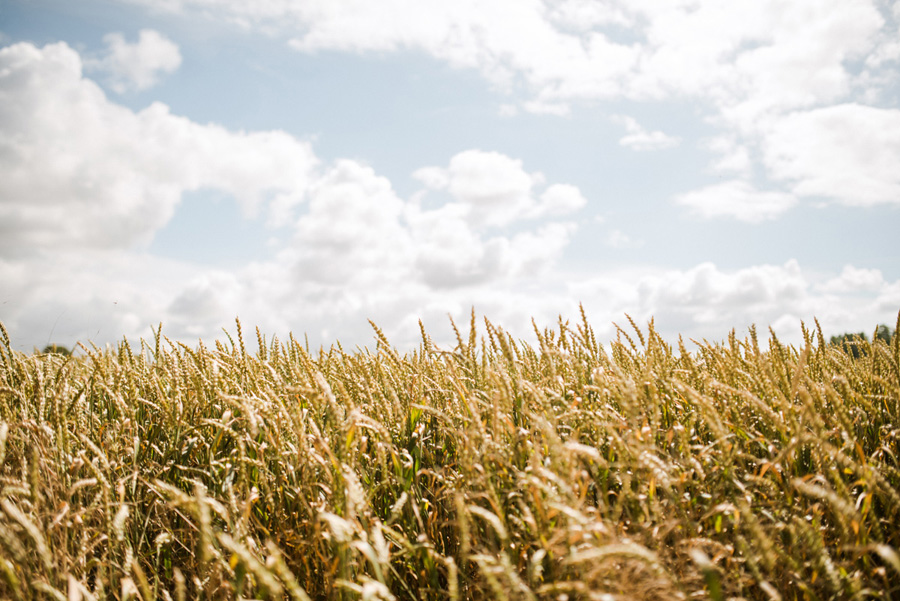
494	469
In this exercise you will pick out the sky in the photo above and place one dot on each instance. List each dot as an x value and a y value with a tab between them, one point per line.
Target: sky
309	165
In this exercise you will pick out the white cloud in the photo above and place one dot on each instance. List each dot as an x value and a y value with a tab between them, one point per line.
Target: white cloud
450	255
352	235
640	139
64	296
755	55
709	290
88	181
81	171
503	39
745	63
583	15
749	57
488	190
492	189
137	66
205	302
849	153
853	280
561	199
434	178
737	199
102	297
707	302
620	240
533	253
806	62
541	107
734	156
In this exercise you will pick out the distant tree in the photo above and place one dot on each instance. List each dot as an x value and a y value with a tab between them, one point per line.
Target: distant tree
57	349
883	332
852	342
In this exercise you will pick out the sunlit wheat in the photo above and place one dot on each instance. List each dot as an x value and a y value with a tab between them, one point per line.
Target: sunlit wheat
493	469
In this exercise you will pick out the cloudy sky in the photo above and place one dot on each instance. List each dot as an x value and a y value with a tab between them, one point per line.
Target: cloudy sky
309	164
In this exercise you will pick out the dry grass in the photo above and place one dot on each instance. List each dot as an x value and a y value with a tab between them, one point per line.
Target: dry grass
495	470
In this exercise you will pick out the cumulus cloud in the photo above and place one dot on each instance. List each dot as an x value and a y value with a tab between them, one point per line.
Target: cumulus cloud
492	189
807	61
503	39
138	65
583	15
80	196
640	139
853	280
84	172
65	296
733	155
561	199
89	182
708	301
847	152
706	292
100	298
737	199
769	75
542	107
352	235
764	72
764	53
358	234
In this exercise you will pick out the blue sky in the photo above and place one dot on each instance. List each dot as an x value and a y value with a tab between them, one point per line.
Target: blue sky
308	166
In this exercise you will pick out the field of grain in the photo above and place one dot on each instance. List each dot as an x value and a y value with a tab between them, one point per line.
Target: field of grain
495	469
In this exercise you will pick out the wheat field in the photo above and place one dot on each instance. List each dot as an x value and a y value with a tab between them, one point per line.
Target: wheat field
492	469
